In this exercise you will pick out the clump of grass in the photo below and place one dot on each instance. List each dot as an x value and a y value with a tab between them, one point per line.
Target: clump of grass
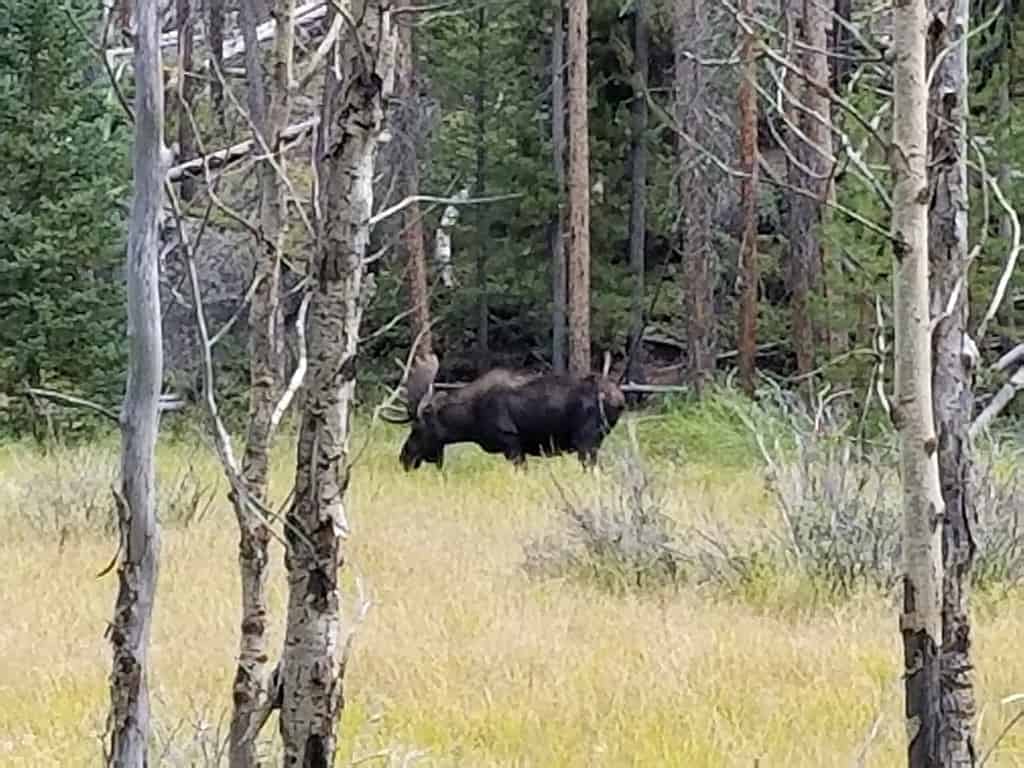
69	490
616	534
65	491
713	430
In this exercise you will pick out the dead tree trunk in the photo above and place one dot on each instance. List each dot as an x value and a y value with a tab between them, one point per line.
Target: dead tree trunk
215	30
483	348
266	355
695	192
186	93
579	192
312	665
748	272
953	368
921	617
811	173
638	196
128	723
412	229
559	268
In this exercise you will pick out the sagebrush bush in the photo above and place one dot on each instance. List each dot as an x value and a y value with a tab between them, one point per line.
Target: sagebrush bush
616	534
839	512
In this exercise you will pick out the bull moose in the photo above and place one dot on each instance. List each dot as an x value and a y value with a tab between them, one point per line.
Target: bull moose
514	414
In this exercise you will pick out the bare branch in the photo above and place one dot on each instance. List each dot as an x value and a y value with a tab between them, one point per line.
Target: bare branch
398	207
300	368
223	158
73	401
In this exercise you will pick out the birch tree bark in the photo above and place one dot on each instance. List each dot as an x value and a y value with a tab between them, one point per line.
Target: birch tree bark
129	631
312	670
638	195
559	267
270	114
921	617
953	367
748	272
579	191
412	229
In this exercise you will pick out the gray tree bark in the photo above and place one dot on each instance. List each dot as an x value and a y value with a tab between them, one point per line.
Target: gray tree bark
216	35
312	670
695	192
953	368
559	268
129	631
638	195
748	273
186	91
921	617
579	192
269	106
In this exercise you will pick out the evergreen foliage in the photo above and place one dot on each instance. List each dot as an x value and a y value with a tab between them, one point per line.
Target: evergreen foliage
63	150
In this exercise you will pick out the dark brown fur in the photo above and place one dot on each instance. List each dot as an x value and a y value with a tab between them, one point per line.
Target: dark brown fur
514	414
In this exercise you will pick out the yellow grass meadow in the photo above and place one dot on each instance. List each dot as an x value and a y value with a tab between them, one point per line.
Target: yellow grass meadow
464	659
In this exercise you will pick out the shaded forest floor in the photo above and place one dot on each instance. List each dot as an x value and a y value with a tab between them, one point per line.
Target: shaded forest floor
463	657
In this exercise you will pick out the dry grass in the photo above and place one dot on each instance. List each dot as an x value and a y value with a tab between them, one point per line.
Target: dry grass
463	655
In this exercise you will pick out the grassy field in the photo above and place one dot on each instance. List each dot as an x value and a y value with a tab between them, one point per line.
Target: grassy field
464	657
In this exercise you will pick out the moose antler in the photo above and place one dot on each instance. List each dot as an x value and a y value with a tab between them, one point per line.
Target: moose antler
417	382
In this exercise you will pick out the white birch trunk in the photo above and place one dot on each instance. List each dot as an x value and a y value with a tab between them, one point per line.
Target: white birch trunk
921	618
952	379
270	114
129	631
312	667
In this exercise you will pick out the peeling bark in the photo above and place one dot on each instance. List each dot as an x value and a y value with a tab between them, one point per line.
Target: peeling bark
921	618
748	272
952	380
311	671
579	191
129	631
266	356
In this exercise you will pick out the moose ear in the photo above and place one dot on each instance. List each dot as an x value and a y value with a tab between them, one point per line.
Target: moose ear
420	387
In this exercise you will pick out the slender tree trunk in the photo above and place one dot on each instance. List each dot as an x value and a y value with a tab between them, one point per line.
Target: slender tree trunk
186	92
811	173
412	229
266	356
952	374
215	31
749	276
559	268
579	192
695	193
638	197
483	349
129	631
313	663
921	618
